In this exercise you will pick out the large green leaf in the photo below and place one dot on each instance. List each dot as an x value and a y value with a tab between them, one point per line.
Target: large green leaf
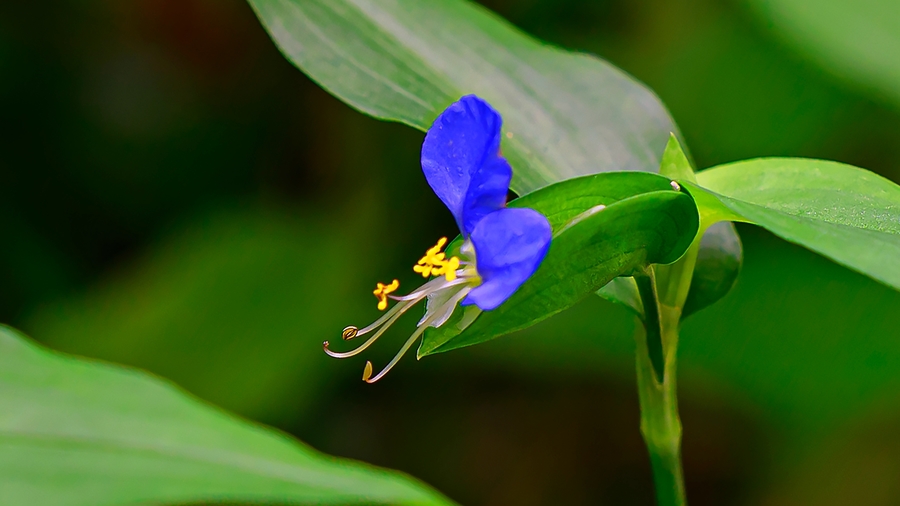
76	432
565	114
719	252
859	40
845	213
600	231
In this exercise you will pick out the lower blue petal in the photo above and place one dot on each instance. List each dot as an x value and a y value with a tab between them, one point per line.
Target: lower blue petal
509	246
487	192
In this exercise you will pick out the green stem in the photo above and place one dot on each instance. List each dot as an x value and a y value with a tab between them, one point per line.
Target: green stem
660	424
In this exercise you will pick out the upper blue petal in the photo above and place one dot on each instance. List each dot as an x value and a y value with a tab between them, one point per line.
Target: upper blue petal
462	163
509	246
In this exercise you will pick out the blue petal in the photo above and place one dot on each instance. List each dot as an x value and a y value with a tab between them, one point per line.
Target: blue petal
462	163
509	246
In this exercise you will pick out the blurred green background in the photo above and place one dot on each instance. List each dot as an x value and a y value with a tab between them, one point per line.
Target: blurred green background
176	196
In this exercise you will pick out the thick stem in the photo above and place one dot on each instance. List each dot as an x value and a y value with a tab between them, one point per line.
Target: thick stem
660	424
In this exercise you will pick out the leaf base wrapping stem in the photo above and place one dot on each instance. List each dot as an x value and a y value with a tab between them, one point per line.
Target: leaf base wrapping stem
660	424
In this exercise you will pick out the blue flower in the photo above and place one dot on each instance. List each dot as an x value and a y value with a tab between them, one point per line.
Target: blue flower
502	246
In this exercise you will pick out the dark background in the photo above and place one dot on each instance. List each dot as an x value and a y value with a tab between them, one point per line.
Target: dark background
176	196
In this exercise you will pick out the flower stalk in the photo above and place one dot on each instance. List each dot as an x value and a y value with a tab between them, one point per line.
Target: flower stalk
663	290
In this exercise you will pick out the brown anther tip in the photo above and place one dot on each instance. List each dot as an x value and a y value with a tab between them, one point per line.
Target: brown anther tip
325	345
675	186
349	332
367	372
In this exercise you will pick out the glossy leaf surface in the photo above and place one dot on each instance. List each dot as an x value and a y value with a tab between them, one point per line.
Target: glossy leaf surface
79	432
845	213
719	254
644	221
565	114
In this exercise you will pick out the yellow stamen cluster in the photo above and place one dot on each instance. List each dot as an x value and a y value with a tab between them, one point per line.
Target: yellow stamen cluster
436	263
381	292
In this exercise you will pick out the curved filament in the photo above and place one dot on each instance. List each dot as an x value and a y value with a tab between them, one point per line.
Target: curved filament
379	322
361	348
429	288
409	342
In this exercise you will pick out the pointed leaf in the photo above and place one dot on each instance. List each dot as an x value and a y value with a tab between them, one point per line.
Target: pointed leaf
719	255
843	212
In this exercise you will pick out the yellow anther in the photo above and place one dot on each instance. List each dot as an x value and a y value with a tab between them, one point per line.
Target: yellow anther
381	292
436	263
437	247
423	269
448	269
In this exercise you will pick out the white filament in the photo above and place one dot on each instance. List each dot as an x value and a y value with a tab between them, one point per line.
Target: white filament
434	286
427	322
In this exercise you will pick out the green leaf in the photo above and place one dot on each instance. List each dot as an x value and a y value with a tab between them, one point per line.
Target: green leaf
675	163
719	253
78	432
719	261
591	246
801	344
859	40
845	213
565	114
